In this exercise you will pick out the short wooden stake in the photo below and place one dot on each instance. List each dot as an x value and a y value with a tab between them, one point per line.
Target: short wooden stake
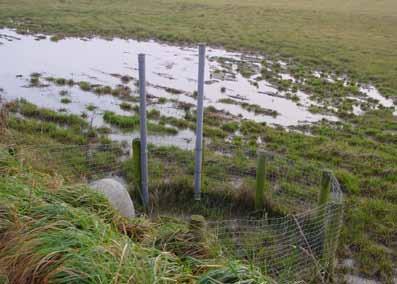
260	182
325	190
136	163
323	199
197	227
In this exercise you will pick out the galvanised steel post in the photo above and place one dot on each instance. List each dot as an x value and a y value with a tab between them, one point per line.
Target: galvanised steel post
199	128
143	130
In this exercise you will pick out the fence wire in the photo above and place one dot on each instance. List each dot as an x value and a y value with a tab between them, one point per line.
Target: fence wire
299	245
82	162
294	247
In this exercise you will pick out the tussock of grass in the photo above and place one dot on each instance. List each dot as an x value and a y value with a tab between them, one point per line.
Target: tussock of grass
154	128
219	199
257	109
91	107
122	121
34	81
162	100
177	122
56	38
66	100
50	129
230	127
132	123
214	132
85	86
32	111
125	106
153	114
60	81
60	243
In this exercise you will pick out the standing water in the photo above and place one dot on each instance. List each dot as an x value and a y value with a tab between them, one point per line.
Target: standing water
103	62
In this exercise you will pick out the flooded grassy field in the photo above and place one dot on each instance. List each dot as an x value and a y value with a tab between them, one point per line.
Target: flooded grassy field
313	80
92	77
356	36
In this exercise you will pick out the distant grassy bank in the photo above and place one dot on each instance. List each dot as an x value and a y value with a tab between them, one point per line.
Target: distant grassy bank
358	37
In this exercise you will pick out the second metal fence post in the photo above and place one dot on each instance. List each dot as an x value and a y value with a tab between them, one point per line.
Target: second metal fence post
143	130
199	128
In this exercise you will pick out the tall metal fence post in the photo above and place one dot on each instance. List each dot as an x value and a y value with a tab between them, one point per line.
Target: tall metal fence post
143	130
199	128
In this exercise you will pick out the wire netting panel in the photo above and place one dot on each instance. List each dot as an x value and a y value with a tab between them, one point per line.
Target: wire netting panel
299	245
85	162
167	162
296	246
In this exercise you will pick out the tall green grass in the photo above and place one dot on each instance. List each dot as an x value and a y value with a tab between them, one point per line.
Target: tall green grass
70	234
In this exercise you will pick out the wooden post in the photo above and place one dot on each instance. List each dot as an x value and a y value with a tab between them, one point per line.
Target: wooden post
260	182
328	249
325	190
197	227
136	163
337	221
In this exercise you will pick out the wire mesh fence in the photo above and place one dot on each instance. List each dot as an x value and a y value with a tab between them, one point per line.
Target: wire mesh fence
75	162
294	247
292	183
298	243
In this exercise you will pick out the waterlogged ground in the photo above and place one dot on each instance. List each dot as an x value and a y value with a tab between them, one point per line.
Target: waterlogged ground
245	86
